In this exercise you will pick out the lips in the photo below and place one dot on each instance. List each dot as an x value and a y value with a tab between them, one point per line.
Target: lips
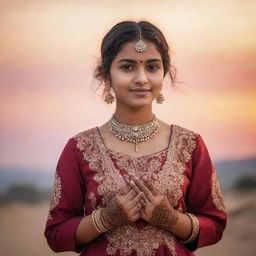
140	90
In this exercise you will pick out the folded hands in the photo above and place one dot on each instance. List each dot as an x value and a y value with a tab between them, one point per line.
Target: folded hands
139	199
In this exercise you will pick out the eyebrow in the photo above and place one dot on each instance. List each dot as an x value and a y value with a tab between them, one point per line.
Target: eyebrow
134	61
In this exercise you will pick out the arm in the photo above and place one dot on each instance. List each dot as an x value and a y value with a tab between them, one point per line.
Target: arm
66	207
204	199
85	232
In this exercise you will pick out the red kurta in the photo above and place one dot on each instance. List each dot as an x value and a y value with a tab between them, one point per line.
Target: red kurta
88	175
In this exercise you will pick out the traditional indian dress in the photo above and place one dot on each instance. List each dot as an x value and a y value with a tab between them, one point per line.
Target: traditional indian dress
89	174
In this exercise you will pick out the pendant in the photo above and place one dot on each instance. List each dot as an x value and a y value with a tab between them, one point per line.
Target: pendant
136	147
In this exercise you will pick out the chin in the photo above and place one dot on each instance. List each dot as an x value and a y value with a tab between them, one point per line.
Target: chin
140	103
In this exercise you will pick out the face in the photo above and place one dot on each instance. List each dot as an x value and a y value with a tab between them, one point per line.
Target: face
136	78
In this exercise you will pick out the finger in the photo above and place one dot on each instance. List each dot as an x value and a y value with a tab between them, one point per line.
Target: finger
150	186
142	211
145	190
143	215
135	187
125	189
137	190
130	195
144	201
136	216
136	209
135	201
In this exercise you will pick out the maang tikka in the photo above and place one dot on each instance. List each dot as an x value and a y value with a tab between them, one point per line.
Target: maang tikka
140	46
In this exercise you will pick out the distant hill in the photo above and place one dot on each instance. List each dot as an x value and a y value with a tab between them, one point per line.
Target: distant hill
37	178
227	171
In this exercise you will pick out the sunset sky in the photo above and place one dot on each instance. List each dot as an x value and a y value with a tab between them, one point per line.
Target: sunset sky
48	50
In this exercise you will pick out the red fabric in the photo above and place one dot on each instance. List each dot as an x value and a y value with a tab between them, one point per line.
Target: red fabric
199	198
77	182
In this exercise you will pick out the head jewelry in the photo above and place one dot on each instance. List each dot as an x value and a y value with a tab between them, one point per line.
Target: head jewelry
140	46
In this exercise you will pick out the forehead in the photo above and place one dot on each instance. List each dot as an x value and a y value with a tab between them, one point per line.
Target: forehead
128	51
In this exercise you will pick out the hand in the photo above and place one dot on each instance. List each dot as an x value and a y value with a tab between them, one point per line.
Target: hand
157	210
123	208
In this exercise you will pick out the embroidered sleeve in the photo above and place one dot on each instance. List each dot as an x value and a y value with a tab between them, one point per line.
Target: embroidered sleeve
216	193
204	199
66	206
56	195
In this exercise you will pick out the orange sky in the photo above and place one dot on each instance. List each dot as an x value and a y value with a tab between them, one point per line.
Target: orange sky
48	50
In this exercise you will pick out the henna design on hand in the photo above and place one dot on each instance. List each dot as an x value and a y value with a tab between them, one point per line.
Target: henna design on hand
164	215
113	215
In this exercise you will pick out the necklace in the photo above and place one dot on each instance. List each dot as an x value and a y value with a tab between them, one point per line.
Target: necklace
134	133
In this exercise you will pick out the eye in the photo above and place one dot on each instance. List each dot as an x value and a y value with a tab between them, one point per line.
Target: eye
153	67
126	67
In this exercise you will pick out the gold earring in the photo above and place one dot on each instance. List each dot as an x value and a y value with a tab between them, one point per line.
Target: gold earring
109	98
160	98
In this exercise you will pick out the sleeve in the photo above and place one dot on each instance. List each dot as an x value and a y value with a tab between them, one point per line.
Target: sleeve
204	199
66	206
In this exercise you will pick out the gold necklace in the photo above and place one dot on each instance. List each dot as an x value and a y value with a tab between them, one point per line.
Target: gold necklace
134	133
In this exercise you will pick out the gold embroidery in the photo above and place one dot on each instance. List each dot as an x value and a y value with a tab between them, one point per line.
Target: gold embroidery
56	195
166	175
169	180
93	199
141	165
216	193
145	241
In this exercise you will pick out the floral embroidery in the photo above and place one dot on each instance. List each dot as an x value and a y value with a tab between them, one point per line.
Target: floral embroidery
216	193
145	241
112	170
169	180
141	165
56	195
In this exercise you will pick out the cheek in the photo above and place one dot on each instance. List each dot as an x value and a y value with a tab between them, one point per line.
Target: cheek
157	81
121	80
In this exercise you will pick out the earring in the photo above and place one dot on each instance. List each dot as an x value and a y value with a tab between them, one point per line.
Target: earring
160	98
109	98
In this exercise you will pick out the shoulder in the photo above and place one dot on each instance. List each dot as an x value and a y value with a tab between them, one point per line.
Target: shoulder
80	138
86	139
90	133
185	138
188	143
182	132
192	139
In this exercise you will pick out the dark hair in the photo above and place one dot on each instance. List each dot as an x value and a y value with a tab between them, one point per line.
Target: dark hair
128	31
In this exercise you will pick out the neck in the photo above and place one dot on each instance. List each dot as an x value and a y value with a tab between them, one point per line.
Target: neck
134	116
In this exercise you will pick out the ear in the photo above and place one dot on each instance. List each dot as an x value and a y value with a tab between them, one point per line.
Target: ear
106	86
106	83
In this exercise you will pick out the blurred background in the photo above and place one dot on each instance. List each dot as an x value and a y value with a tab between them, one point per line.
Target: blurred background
48	52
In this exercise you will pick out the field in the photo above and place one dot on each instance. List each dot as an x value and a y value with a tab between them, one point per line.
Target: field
22	227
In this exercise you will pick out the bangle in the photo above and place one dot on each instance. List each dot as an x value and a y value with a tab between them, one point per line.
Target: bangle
97	221
194	229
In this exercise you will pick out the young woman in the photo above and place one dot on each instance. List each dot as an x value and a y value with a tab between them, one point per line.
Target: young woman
135	185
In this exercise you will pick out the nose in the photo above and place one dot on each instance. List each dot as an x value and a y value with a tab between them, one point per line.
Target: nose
140	77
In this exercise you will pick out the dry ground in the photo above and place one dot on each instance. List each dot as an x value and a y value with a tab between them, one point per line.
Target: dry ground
22	226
